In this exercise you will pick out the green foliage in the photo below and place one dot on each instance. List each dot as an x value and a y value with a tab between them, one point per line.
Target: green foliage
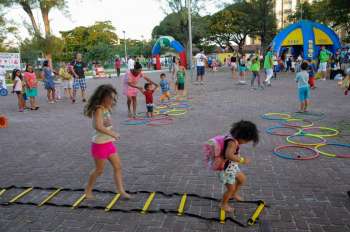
303	11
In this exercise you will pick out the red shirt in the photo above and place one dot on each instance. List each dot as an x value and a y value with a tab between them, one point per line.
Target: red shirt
117	64
149	96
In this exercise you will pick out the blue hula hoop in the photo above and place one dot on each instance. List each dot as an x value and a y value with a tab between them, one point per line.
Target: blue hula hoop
270	130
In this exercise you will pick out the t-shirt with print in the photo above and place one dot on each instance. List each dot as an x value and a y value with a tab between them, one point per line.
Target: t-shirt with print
30	78
227	139
164	85
200	59
149	96
302	78
78	67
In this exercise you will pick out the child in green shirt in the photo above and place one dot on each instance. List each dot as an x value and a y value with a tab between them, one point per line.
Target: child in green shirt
255	68
181	76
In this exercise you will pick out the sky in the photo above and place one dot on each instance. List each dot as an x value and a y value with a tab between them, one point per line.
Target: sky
136	17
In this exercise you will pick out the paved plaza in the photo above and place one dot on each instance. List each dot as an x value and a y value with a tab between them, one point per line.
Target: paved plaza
50	148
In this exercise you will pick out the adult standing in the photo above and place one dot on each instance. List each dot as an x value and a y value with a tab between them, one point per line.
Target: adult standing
131	63
268	65
131	89
117	65
323	58
78	68
200	63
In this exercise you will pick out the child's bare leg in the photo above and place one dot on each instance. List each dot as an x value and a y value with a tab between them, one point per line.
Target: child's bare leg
100	164
118	177
128	102
240	180
301	106
305	105
134	105
226	197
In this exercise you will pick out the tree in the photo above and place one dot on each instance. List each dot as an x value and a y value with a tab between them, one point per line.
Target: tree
231	24
303	10
96	42
263	18
45	7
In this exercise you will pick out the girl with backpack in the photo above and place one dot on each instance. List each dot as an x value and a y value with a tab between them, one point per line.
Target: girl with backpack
223	155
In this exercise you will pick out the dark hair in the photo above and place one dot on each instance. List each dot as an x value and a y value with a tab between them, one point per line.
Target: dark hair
162	74
14	74
137	66
147	84
304	66
46	63
245	130
97	98
27	66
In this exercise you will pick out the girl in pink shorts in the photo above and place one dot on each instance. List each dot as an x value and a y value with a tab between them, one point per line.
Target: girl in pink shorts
102	147
131	87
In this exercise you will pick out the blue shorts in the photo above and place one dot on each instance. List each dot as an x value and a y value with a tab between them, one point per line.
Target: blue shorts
200	70
79	83
304	93
242	68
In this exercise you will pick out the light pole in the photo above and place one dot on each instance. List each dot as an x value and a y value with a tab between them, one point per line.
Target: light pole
190	36
126	55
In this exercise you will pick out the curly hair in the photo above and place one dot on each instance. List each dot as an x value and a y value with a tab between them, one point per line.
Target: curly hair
245	130
98	97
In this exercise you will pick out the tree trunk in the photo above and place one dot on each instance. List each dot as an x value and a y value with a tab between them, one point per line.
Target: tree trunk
45	13
28	10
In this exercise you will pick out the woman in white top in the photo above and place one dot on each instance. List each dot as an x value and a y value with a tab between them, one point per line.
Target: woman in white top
18	88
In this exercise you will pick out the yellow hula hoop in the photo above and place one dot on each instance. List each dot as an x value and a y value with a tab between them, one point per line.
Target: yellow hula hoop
177	112
335	131
305	144
332	155
298	120
284	116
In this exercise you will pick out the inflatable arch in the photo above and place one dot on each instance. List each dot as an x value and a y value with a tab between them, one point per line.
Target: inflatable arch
169	42
306	36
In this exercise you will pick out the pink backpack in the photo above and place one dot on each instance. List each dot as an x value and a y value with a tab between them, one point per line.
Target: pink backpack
213	153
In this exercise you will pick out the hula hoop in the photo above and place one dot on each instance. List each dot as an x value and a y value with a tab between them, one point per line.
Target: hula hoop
3	92
286	156
335	131
162	107
286	122
319	116
332	154
344	128
289	140
136	122
270	130
283	116
175	112
160	122
143	115
182	106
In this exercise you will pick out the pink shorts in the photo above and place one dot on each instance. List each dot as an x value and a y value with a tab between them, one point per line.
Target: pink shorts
130	91
103	151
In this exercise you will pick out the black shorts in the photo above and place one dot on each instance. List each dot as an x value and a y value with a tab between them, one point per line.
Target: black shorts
180	86
18	92
149	108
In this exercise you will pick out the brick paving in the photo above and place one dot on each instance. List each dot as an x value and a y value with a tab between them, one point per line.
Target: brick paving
50	148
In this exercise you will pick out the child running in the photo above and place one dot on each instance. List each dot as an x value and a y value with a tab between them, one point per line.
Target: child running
255	68
242	132
181	76
18	88
165	87
148	92
31	86
99	109
302	79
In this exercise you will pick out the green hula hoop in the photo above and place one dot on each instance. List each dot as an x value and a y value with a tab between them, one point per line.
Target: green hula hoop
334	132
289	140
280	116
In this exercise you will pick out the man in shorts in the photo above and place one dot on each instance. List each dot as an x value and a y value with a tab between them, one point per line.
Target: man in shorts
200	63
78	68
324	57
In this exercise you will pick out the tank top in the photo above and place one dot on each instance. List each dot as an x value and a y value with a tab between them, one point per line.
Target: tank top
99	137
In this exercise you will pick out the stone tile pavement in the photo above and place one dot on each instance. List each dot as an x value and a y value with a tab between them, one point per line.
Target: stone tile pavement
50	148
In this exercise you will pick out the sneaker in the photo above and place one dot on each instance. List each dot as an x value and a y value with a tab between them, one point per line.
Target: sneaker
21	110
51	102
252	88
73	101
84	100
346	92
